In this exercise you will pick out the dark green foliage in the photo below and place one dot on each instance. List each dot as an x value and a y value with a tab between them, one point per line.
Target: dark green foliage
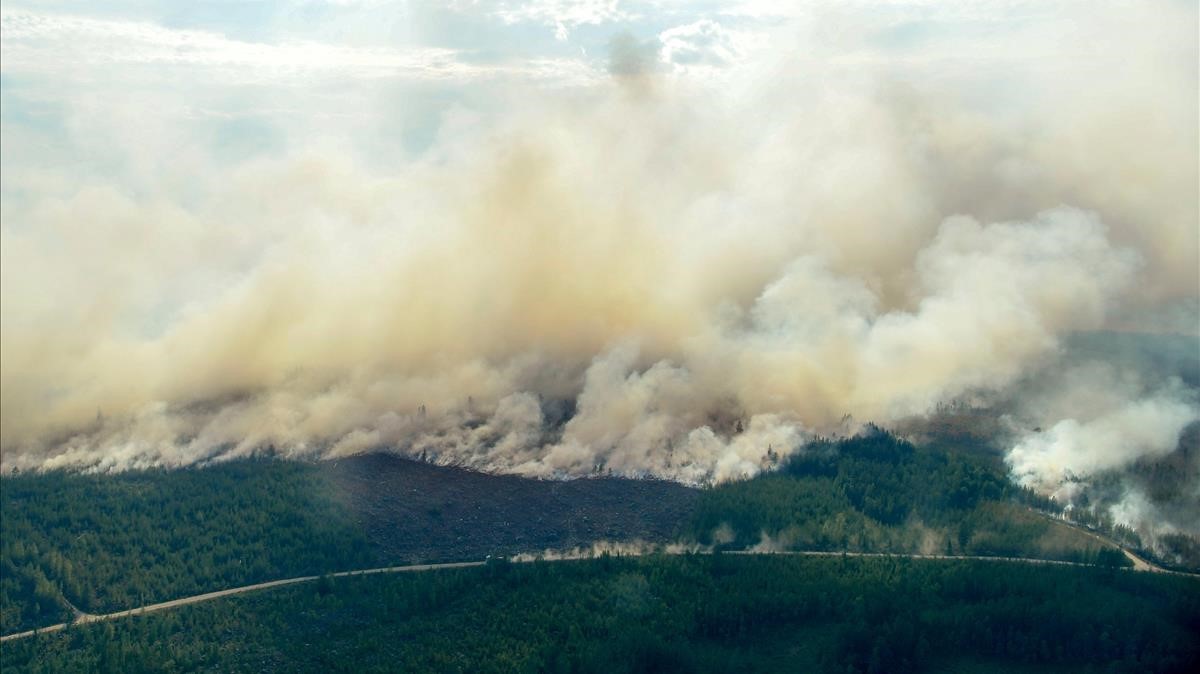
1112	559
720	613
111	542
876	492
27	597
888	478
154	535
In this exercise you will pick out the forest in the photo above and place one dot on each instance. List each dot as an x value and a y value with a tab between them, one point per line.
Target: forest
102	543
110	542
687	613
876	492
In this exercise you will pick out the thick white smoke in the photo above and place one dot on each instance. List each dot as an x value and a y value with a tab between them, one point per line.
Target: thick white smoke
1111	440
652	274
1057	458
709	404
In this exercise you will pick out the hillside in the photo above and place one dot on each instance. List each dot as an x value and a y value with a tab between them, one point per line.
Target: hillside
110	542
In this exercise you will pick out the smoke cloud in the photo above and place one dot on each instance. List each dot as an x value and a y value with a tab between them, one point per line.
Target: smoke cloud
1071	449
1113	434
653	273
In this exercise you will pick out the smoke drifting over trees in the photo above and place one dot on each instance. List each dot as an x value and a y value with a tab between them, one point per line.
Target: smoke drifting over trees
656	272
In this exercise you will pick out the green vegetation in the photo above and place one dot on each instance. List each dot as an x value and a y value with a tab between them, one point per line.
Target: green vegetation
111	542
718	613
106	543
877	493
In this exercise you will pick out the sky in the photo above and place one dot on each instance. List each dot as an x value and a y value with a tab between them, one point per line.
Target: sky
140	92
591	233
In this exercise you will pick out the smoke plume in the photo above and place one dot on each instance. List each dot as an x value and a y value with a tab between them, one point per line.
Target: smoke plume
657	272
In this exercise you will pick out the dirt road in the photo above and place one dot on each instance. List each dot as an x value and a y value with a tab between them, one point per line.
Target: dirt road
83	618
1139	563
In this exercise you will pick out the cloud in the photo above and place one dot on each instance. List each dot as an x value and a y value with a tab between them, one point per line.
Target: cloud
44	43
703	43
564	15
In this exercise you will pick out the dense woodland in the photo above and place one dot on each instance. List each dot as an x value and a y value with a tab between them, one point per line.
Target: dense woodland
879	493
111	542
702	613
116	541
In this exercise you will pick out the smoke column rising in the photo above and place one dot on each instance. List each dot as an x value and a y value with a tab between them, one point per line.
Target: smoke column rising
664	270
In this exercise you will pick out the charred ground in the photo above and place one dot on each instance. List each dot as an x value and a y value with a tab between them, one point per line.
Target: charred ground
414	511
